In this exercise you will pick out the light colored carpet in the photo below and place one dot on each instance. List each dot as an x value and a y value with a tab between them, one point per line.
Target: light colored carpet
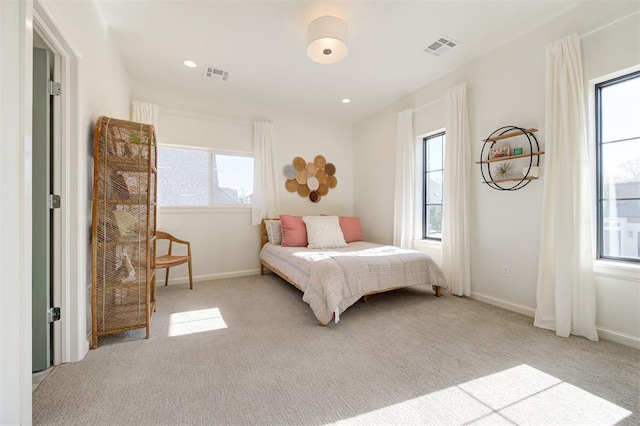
255	355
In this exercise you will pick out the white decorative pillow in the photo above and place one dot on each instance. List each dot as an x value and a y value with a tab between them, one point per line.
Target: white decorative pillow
274	231
324	232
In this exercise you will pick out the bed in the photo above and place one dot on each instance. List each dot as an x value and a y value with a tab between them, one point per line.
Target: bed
332	279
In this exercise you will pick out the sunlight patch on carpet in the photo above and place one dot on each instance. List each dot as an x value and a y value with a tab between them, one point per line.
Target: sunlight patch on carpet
190	322
520	395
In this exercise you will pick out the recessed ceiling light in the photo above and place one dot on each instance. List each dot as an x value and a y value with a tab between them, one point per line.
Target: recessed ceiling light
189	63
346	100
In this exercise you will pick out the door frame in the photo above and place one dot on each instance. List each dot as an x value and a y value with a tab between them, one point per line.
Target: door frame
70	338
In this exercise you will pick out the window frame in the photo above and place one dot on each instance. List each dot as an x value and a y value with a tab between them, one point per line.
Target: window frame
600	256
425	189
210	190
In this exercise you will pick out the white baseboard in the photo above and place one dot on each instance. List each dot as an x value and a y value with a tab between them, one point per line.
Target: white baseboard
615	336
603	333
209	277
510	306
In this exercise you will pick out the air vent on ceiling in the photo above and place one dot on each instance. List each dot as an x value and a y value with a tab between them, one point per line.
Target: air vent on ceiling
216	73
441	45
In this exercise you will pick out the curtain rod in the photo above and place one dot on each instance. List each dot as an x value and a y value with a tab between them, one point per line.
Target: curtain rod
435	101
179	113
609	24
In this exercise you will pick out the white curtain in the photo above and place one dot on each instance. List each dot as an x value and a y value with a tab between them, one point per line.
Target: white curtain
266	202
566	289
456	204
145	112
404	205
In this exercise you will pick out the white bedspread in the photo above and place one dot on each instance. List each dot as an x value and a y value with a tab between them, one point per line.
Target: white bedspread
334	279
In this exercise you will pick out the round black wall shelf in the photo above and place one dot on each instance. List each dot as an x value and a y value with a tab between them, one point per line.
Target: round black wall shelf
491	155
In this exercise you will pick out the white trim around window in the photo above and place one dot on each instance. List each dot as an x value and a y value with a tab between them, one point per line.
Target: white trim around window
623	270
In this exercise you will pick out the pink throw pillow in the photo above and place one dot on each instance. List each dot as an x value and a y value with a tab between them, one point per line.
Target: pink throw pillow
351	229
294	231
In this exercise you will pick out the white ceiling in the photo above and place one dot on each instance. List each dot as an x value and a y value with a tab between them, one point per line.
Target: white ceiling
263	46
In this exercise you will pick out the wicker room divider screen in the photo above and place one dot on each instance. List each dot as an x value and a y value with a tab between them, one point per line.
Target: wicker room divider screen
123	227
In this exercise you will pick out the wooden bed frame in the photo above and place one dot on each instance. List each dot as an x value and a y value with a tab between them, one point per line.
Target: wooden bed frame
264	239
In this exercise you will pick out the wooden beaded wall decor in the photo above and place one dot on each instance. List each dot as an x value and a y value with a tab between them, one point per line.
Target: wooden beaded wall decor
310	179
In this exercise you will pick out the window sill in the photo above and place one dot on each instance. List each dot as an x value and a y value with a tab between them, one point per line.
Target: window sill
619	270
427	244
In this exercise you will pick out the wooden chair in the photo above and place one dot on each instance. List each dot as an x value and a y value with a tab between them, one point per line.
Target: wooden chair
168	260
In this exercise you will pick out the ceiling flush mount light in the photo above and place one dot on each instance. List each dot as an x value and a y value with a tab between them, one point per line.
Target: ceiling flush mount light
346	100
327	40
189	63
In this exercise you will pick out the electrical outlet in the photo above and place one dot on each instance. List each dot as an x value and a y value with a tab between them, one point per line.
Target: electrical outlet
504	271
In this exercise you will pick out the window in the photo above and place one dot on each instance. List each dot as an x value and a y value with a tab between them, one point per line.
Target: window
201	177
618	167
433	160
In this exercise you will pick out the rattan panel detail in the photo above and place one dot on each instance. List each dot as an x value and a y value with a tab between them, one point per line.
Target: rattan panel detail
123	227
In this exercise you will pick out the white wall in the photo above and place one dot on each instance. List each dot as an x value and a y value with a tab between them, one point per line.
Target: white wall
104	81
103	90
15	211
507	88
224	243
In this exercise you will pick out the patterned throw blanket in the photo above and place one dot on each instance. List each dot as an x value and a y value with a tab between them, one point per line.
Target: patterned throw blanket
334	279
